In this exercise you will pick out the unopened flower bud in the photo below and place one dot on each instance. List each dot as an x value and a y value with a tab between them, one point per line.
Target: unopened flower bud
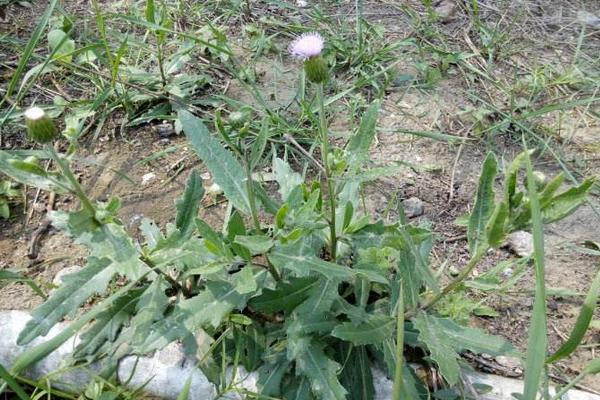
39	126
316	69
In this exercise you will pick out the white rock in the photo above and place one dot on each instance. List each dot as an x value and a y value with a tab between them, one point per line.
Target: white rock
147	178
164	375
521	243
589	19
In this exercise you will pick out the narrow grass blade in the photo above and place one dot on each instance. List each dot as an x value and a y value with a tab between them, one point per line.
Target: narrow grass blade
581	325
31	45
398	378
185	392
13	384
7	274
537	342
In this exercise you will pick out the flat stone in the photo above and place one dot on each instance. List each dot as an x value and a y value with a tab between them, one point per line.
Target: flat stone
521	243
165	374
413	207
588	19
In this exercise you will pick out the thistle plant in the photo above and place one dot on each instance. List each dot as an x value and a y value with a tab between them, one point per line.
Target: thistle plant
311	310
308	48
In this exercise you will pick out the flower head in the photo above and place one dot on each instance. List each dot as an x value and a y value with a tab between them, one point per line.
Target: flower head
308	45
39	126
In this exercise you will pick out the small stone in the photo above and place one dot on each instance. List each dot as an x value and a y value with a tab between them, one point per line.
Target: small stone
214	190
413	207
512	364
521	243
165	129
507	273
588	19
301	3
446	10
453	270
147	178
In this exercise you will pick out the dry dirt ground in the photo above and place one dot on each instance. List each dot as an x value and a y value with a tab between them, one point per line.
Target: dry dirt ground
444	177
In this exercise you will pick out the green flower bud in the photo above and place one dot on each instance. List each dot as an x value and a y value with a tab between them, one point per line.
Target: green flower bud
39	126
316	69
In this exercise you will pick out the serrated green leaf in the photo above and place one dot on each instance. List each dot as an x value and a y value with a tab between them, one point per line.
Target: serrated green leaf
321	372
356	376
372	330
256	244
270	376
187	206
484	206
298	389
207	309
107	324
358	146
440	348
286	297
286	178
548	191
303	265
225	169
567	202
77	287
151	233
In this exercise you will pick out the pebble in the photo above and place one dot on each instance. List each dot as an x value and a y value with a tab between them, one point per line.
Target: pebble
147	178
588	19
521	243
413	207
446	10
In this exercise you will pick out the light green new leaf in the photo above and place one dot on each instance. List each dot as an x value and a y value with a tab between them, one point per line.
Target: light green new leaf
61	45
256	244
440	347
304	265
225	169
187	206
75	290
484	205
286	177
358	146
321	372
285	297
372	330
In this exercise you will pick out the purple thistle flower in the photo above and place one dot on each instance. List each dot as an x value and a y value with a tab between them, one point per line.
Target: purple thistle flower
308	45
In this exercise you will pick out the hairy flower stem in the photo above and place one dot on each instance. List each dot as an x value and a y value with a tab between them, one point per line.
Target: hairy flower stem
328	180
452	285
75	186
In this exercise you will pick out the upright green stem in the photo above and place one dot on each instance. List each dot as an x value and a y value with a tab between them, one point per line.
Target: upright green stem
75	186
452	285
328	180
251	197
